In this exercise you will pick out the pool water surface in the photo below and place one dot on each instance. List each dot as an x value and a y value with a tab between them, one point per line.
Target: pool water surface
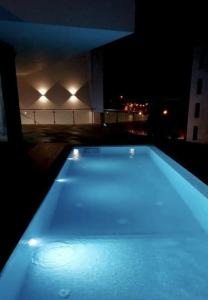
117	223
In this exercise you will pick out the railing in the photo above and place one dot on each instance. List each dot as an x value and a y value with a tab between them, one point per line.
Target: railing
57	116
76	116
119	116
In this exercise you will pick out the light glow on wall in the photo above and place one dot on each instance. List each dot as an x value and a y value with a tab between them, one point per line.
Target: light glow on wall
43	99
73	90
73	98
42	91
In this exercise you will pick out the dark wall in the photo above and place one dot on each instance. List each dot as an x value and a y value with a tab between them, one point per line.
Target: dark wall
10	94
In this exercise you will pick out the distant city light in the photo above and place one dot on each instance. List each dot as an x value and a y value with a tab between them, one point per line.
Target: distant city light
165	112
121	97
141	109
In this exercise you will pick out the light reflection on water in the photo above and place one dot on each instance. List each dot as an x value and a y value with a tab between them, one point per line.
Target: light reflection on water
53	255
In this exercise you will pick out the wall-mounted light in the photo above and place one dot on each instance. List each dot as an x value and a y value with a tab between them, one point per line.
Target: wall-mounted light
73	90
42	91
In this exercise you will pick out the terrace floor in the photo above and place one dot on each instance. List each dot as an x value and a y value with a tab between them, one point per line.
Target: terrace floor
27	175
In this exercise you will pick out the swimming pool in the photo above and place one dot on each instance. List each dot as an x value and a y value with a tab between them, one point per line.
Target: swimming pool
117	223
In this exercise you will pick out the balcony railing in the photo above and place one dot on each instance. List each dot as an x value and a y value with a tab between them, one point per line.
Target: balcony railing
57	116
119	116
76	116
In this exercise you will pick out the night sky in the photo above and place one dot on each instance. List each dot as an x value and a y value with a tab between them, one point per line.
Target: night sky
155	61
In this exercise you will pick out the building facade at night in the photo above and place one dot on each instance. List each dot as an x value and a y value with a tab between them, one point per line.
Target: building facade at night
197	129
56	59
62	92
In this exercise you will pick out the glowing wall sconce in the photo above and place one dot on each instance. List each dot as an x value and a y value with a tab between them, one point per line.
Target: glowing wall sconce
73	90
43	91
73	98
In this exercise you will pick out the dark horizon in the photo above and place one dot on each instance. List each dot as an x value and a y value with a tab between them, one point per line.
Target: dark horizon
156	61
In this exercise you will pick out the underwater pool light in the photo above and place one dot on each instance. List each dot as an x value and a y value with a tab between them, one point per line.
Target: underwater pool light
33	242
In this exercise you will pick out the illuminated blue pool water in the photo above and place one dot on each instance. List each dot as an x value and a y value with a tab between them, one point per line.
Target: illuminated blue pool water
118	223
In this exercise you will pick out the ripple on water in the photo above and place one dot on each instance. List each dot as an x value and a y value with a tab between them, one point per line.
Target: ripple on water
53	255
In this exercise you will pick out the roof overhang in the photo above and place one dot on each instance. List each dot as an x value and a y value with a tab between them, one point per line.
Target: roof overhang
44	29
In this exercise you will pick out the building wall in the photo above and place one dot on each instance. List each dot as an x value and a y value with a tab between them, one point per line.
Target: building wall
198	98
96	80
3	132
59	92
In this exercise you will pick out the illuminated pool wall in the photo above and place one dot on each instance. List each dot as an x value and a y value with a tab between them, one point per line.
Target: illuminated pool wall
188	186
